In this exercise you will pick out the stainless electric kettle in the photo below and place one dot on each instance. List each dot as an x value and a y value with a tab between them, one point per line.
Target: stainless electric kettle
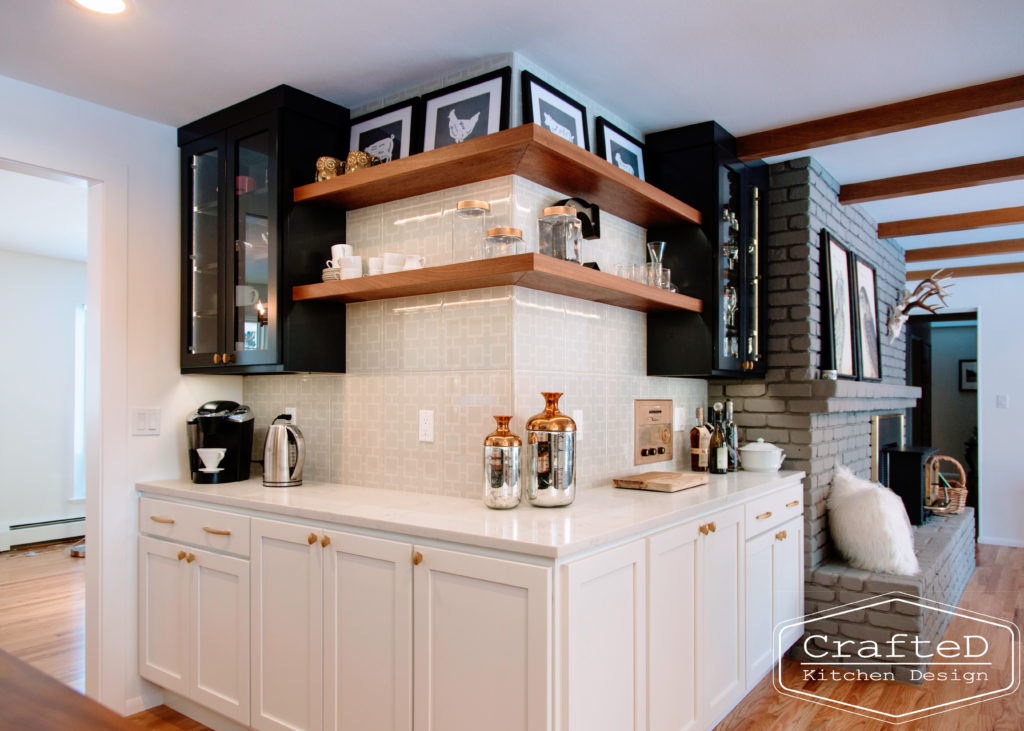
283	454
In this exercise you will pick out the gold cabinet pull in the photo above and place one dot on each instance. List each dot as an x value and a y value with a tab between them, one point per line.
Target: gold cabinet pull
181	555
704	528
190	557
158	519
325	541
793	504
762	516
417	558
216	531
311	538
216	358
712	526
780	536
226	358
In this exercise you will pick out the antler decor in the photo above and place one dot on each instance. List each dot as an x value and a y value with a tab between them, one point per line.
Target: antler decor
933	286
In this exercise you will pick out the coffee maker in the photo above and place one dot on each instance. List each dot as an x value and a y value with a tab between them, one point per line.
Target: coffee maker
219	442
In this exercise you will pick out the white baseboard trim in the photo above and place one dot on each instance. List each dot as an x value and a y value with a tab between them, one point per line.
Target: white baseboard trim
56	532
134	705
201	713
1012	543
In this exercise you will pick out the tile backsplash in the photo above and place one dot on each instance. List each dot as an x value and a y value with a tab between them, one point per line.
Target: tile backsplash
470	355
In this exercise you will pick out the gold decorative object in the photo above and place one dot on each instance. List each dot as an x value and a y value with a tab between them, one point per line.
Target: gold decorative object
357	160
328	167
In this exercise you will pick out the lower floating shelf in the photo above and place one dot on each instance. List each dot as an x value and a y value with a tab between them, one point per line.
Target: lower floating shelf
533	271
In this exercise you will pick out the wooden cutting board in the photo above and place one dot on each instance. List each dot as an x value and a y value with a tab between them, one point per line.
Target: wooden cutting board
662	481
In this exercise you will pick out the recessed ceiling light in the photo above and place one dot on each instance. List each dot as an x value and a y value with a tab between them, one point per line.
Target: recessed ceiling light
106	7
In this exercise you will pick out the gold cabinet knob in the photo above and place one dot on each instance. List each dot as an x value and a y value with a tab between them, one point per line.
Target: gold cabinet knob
227	358
325	541
190	558
181	555
712	526
780	536
704	528
216	358
417	558
311	538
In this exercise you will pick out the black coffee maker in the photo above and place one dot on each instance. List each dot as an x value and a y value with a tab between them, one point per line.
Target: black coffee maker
225	426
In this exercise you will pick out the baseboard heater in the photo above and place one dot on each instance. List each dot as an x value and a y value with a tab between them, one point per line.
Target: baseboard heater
41	531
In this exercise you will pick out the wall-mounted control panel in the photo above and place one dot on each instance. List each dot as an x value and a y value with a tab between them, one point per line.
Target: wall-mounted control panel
652	423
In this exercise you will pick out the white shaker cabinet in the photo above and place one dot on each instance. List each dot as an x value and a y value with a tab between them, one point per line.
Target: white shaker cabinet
194	624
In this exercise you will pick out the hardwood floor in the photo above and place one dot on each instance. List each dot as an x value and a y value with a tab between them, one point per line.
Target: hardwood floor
42	593
995	589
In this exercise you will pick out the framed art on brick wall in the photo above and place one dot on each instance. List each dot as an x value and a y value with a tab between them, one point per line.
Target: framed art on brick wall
868	347
838	346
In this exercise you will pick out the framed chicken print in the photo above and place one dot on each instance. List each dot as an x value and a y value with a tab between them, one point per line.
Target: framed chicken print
469	109
618	148
554	111
388	133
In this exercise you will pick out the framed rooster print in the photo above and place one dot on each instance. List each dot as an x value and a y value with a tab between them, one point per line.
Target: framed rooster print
618	148
469	109
389	133
543	104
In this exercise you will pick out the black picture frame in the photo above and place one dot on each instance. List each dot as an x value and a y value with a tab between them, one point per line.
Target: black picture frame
968	375
483	98
838	346
404	119
620	149
549	108
868	340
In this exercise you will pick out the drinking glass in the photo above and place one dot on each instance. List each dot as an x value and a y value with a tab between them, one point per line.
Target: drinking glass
653	277
666	278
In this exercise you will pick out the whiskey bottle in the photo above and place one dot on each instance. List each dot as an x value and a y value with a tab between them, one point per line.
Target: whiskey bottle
718	458
700	438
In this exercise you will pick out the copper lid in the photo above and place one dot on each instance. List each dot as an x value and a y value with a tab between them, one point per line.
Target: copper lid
558	211
470	206
502	437
551	419
505	231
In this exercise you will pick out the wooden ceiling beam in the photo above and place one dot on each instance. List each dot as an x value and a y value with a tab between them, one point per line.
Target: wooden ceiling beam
965	176
982	270
953	222
962	251
947	106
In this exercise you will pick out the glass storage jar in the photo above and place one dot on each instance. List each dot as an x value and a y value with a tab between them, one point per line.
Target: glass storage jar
503	241
470	222
561	233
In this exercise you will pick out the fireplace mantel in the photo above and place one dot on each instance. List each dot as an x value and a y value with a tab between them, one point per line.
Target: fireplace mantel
832	397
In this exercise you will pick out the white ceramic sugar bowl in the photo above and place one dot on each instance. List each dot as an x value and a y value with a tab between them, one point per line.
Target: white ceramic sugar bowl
761	456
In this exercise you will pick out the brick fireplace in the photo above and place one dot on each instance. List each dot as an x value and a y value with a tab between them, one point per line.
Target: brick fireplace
819	422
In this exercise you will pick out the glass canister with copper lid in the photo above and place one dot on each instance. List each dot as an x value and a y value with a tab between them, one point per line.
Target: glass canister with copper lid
560	233
470	221
501	467
551	456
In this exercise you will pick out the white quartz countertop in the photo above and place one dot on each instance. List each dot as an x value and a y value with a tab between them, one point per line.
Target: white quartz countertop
597	516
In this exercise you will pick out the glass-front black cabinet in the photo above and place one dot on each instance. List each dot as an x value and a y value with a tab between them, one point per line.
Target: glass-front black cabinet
720	262
243	245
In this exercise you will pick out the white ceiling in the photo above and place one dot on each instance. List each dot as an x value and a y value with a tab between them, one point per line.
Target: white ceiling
658	63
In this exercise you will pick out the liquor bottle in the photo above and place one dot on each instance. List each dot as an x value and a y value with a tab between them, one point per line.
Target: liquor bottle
718	457
731	440
700	438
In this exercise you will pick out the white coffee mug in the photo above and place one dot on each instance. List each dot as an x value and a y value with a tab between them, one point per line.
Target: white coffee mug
351	266
341	250
414	261
375	265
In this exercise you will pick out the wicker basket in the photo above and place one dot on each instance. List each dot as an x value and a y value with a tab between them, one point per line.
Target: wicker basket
945	497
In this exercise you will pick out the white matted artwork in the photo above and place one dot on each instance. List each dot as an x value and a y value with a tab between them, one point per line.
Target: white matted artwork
838	311
867	325
543	104
467	110
618	148
386	133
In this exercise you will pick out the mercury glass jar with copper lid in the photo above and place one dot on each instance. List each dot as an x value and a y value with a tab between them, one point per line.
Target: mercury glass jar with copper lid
470	222
561	233
551	456
501	467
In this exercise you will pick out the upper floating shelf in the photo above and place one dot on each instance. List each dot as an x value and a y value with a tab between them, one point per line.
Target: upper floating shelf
529	151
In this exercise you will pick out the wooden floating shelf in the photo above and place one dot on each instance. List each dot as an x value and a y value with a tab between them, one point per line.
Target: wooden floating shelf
529	151
533	271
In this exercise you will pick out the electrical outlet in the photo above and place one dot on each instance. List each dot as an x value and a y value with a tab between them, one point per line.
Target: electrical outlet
678	418
293	412
426	428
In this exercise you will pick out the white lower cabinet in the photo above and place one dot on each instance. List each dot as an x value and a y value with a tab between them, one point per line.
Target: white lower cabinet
775	594
194	624
333	625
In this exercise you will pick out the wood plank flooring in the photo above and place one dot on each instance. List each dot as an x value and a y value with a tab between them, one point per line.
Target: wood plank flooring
42	592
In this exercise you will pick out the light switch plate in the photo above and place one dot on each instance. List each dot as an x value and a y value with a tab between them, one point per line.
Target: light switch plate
1002	400
145	422
678	418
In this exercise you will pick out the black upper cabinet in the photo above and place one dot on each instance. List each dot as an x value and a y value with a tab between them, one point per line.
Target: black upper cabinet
245	245
722	261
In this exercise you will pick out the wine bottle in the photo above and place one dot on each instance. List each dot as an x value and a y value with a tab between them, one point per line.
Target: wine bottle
718	458
700	438
731	441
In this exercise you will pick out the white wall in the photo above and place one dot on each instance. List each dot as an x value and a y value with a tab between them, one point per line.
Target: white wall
37	388
132	350
954	412
1000	302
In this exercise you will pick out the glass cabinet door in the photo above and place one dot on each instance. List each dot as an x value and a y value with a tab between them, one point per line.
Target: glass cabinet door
252	330
203	223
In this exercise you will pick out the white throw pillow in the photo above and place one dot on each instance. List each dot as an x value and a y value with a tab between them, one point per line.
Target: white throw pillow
869	525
